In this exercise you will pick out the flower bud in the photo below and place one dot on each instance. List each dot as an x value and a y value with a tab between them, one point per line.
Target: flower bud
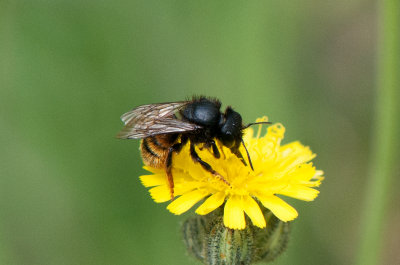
194	236
212	243
228	246
272	241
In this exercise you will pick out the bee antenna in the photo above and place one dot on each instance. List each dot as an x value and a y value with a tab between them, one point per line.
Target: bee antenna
255	123
248	155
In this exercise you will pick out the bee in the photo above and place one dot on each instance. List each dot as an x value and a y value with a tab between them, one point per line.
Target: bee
166	127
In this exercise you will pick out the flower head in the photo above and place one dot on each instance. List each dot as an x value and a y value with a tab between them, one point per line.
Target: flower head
278	170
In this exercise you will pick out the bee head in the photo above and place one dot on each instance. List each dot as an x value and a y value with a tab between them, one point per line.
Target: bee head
231	126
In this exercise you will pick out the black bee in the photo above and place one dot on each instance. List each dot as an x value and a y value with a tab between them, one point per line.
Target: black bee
166	127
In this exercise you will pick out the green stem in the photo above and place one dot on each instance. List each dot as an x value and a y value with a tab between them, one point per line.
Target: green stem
384	153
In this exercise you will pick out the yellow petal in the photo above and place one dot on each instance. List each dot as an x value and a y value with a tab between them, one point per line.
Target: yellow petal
279	208
252	209
186	201
153	180
212	203
189	169
266	187
300	192
233	213
304	172
160	194
248	134
182	188
154	170
276	130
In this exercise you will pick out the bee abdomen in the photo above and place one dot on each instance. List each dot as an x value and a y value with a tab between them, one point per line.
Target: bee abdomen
155	149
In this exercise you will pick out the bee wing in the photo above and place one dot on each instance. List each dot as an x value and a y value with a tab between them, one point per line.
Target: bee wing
153	119
152	111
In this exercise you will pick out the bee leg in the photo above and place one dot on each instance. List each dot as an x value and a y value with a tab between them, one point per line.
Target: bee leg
215	149
168	164
240	156
205	165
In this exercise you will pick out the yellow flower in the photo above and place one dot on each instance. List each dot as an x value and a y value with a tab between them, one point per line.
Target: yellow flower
278	170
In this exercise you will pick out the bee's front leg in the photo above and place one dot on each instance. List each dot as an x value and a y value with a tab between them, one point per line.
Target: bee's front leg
205	165
215	149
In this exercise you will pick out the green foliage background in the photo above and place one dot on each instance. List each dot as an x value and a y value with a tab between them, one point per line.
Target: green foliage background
70	192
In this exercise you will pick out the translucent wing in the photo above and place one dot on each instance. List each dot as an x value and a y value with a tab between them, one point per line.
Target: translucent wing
153	119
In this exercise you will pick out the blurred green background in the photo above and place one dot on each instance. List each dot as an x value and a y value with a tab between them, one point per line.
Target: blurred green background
70	192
